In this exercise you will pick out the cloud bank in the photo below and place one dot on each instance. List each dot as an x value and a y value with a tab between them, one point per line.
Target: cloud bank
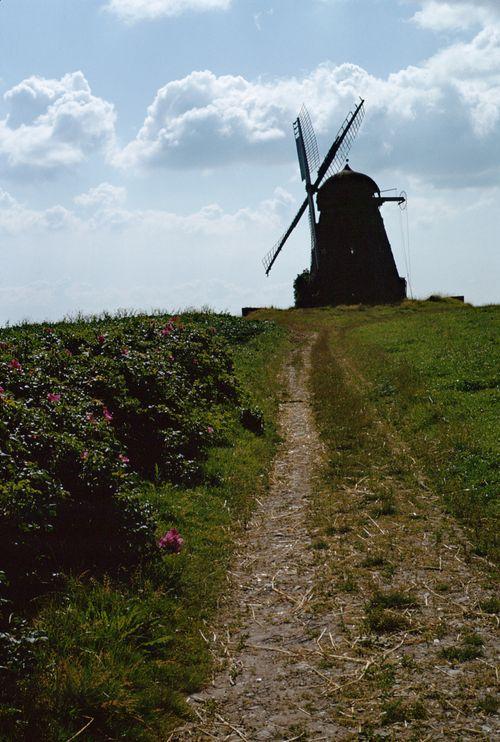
103	207
446	15
440	119
53	125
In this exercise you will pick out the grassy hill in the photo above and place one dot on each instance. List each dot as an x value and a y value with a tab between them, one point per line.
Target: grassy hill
431	369
117	430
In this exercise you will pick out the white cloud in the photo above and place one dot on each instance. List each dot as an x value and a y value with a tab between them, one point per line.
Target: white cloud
103	195
441	118
137	10
17	219
53	125
102	208
446	15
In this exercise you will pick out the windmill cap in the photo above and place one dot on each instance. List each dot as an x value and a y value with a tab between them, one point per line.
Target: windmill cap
346	184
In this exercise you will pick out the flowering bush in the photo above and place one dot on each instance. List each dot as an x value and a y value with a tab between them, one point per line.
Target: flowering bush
87	410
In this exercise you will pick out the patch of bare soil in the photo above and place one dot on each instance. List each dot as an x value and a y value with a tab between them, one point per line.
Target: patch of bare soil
375	624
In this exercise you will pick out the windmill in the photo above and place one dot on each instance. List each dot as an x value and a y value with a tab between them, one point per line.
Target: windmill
351	258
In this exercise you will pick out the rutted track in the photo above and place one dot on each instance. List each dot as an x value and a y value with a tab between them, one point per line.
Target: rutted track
270	686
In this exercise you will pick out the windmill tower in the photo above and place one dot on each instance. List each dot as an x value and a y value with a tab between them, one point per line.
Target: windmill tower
351	258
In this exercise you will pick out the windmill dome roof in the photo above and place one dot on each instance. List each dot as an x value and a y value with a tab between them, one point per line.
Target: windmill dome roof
344	184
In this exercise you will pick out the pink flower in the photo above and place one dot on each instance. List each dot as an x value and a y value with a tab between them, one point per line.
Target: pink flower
125	351
49	330
90	417
2	391
107	414
123	459
14	363
84	455
101	339
53	397
210	429
171	541
167	330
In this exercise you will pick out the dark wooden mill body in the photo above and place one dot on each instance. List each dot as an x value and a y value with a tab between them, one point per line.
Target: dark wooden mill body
353	261
351	258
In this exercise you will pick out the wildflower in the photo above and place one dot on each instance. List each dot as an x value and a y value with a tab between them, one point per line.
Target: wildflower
53	397
84	455
14	363
48	330
167	329
107	414
125	351
101	339
2	391
90	417
172	541
210	429
123	459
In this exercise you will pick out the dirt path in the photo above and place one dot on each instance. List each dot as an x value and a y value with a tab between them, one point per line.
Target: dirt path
295	656
270	686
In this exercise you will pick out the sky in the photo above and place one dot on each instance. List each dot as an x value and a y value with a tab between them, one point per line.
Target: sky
147	158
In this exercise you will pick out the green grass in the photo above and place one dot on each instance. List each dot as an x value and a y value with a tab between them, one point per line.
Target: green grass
398	711
433	369
122	653
470	648
429	369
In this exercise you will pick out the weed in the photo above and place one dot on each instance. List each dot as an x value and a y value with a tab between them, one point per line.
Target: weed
491	605
383	676
320	545
394	712
408	662
374	560
392	599
469	649
334	530
387	507
385	622
347	583
442	587
488	703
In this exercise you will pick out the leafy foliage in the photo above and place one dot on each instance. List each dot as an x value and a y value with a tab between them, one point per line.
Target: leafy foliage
90	411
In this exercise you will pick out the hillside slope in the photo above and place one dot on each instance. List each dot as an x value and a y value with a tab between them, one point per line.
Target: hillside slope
367	612
138	482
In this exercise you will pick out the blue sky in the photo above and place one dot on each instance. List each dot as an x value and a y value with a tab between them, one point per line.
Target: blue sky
147	158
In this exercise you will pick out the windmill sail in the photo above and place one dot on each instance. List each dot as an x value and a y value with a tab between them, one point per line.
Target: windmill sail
308	154
340	148
309	140
268	260
333	161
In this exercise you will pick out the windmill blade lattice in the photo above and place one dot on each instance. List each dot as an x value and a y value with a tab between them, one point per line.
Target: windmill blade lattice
310	141
353	125
273	253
